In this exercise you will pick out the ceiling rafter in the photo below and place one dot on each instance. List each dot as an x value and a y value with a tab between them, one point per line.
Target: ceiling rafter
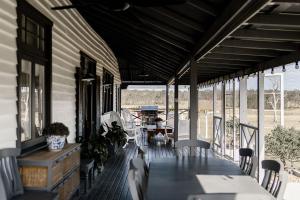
147	19
171	15
132	35
234	15
150	34
244	51
267	35
226	62
280	46
282	20
200	5
234	57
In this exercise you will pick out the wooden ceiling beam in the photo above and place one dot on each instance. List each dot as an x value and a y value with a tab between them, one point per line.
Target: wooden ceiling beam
171	15
145	17
278	20
280	46
244	51
203	7
157	60
150	63
146	32
233	16
271	35
234	57
158	45
226	62
208	66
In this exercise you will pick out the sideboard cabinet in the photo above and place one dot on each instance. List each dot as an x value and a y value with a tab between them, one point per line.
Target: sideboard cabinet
52	171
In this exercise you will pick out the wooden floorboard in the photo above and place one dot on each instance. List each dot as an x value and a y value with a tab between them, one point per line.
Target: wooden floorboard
112	184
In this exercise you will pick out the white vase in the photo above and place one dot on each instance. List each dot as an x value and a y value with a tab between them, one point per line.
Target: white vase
56	142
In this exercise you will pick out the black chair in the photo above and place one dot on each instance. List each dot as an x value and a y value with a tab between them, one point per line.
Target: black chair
11	187
275	179
246	160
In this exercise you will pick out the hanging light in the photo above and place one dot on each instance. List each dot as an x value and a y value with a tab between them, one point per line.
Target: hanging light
297	65
283	68
272	71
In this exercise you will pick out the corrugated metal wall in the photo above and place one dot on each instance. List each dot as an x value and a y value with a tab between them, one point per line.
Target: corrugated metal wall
71	34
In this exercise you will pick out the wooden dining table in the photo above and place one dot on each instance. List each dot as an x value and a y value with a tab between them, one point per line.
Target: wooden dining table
199	178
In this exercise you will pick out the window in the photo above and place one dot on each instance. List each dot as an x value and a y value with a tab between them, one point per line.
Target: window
108	91
34	76
32	33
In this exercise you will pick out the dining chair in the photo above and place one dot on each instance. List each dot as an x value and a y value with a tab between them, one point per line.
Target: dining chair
11	185
275	179
246	160
134	186
140	165
253	172
190	147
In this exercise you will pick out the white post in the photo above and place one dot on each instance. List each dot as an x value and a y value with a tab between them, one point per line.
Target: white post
223	91
243	107
176	114
206	124
261	135
193	101
282	99
243	100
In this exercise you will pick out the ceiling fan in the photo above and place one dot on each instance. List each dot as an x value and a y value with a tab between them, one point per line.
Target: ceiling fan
119	5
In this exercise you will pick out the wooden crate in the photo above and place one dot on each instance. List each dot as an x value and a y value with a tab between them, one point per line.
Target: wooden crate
52	171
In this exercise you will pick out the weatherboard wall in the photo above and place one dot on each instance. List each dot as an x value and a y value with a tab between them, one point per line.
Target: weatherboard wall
70	35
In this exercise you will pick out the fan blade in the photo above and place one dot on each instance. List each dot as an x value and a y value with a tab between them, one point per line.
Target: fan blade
154	3
63	7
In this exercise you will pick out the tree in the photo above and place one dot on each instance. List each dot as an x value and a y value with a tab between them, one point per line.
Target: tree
284	143
274	99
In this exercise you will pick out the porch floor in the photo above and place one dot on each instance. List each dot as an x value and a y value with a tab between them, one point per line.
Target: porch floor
111	184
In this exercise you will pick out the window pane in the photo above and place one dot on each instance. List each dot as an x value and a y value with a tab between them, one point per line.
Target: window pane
23	36
39	99
31	39
23	21
31	26
25	100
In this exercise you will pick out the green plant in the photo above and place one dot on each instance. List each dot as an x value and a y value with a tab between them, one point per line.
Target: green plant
95	148
56	128
284	143
116	134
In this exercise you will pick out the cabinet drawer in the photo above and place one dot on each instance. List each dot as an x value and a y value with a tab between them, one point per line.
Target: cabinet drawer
35	177
57	172
72	160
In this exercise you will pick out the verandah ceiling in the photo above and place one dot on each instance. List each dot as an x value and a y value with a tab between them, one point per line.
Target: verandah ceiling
224	37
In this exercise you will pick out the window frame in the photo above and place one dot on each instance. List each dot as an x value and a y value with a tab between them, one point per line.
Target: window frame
35	56
108	103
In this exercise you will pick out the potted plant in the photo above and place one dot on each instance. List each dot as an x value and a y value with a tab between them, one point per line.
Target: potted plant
158	121
96	148
117	135
56	134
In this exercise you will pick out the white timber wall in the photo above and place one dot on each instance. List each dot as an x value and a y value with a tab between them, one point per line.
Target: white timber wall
70	35
8	73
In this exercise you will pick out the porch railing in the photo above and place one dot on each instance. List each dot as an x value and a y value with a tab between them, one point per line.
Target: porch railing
249	137
217	135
